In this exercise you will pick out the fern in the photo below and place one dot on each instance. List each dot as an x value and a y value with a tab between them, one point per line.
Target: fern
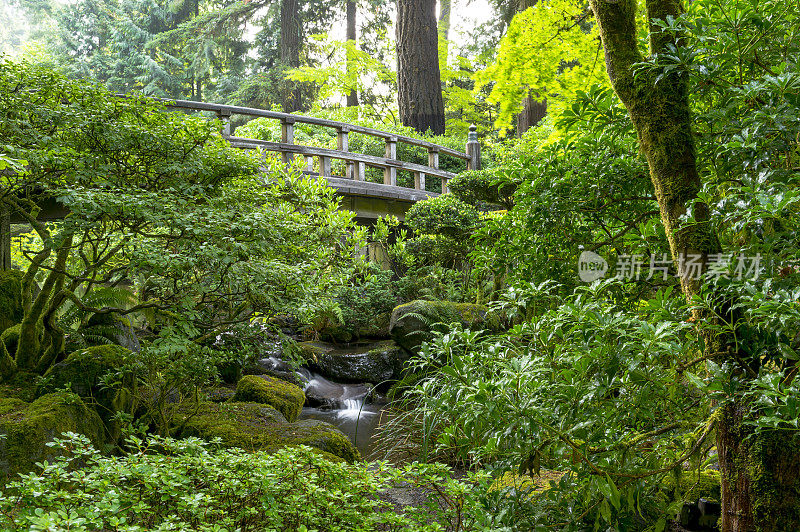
76	320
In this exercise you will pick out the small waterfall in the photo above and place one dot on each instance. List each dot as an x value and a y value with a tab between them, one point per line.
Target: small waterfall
344	405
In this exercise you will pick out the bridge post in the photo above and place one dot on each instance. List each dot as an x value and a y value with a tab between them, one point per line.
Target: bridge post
343	144
360	174
287	137
225	116
325	166
390	173
5	239
419	180
473	149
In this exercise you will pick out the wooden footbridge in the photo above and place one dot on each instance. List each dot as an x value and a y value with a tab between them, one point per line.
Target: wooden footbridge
367	199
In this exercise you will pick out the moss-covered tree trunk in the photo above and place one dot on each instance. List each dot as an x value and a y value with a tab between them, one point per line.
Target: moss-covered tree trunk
760	480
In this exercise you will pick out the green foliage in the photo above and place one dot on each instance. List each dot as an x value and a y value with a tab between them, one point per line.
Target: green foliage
550	51
159	199
168	484
366	303
573	389
169	372
443	215
480	187
285	397
413	323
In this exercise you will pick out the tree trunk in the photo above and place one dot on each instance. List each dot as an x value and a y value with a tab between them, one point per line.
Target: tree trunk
352	96
760	477
418	78
532	111
291	41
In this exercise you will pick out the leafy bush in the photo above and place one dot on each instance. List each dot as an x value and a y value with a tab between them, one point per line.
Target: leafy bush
166	484
573	389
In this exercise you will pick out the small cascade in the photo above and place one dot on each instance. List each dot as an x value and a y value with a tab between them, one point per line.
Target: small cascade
344	405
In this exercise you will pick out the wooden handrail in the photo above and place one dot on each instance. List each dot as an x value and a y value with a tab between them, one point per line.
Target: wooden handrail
355	162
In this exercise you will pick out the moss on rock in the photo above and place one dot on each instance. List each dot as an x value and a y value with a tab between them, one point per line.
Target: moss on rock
10	298
83	371
26	428
313	351
284	396
411	322
21	386
254	426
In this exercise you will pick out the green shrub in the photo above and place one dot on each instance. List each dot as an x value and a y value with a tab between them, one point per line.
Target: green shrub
167	484
366	306
443	215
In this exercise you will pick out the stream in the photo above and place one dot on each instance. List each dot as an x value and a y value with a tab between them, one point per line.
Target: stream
349	407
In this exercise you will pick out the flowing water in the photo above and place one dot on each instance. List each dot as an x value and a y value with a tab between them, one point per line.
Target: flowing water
347	406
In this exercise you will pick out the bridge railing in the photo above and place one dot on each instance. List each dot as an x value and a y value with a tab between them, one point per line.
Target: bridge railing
355	163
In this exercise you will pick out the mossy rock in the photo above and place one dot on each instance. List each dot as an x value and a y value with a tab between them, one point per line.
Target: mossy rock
514	483
22	386
83	371
375	363
254	426
220	394
313	351
113	328
10	298
692	485
26	428
411	322
284	396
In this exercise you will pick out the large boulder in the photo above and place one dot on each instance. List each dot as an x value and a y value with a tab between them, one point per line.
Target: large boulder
114	328
83	371
411	323
372	363
10	298
284	396
27	428
254	426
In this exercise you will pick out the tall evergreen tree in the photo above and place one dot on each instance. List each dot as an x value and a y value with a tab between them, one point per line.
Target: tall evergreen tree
419	89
